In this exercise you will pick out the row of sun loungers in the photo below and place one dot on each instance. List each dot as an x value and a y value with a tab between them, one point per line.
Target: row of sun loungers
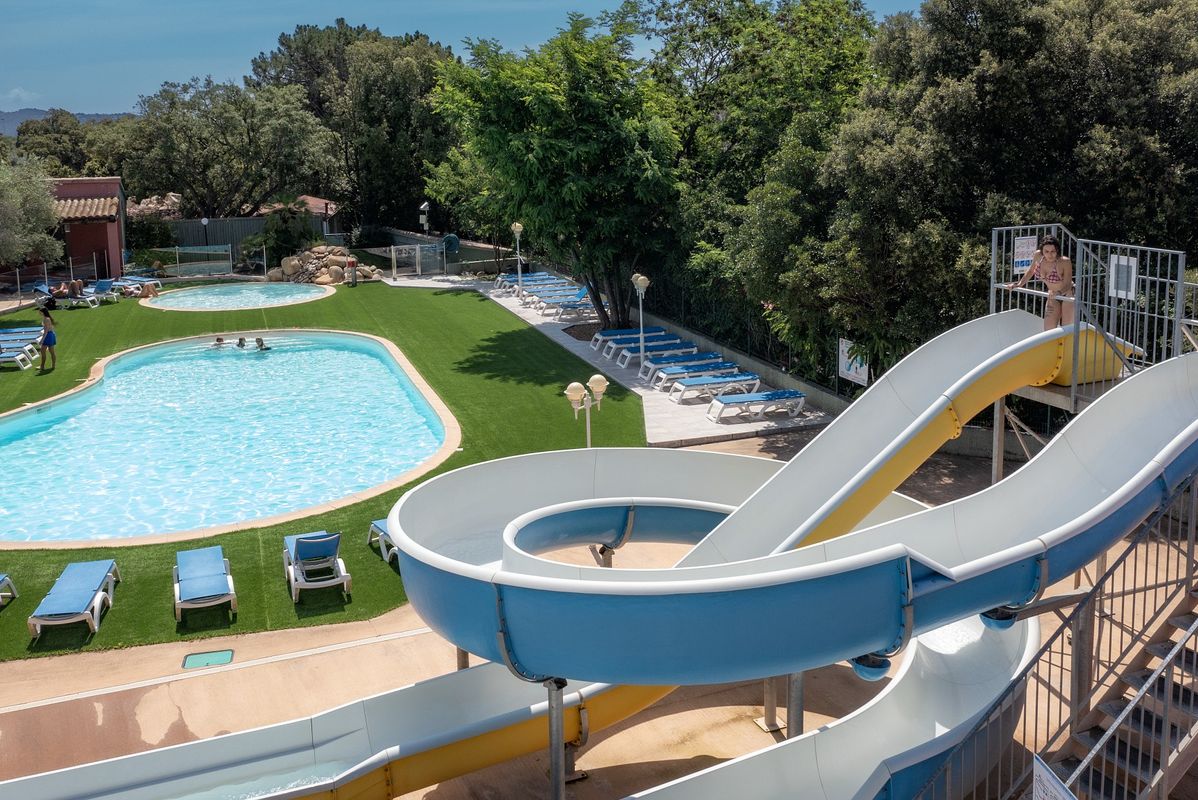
547	293
19	346
674	365
201	578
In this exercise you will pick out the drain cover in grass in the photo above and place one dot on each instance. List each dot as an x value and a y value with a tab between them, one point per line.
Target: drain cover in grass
213	659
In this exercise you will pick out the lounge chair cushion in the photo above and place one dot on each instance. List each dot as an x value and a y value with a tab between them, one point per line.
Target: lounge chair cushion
202	573
65	601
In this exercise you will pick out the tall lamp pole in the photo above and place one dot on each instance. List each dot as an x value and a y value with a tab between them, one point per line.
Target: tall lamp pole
640	283
581	399
518	229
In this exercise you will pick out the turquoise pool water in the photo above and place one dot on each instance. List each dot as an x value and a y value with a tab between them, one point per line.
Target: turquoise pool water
183	436
234	296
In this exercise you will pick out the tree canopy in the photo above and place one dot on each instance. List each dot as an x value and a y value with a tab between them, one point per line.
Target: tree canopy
228	150
27	214
578	147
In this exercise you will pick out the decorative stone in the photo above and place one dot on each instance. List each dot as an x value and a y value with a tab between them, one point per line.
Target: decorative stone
336	273
341	261
291	265
275	275
324	280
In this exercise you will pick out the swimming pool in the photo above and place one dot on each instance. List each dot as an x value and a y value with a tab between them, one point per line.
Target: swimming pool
184	435
236	296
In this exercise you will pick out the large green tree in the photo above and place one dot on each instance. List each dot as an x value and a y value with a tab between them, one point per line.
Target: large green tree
226	149
579	147
986	113
57	140
27	215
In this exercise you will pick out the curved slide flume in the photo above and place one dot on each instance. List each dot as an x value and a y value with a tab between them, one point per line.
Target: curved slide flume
474	577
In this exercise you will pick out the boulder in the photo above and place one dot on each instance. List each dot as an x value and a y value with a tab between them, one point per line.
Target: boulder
341	261
275	275
320	249
336	273
364	273
339	251
290	265
323	280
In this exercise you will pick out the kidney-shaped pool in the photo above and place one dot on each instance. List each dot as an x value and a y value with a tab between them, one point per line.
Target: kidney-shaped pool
185	435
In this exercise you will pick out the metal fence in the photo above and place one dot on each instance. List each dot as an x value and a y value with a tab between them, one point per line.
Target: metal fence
1135	296
227	231
1106	703
19	281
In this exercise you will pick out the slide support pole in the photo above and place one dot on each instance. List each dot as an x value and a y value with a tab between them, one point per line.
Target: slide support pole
794	705
463	658
557	735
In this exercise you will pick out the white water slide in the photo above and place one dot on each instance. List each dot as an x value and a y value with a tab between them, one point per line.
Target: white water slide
738	606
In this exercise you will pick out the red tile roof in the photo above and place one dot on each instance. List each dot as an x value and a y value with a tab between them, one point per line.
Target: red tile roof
87	209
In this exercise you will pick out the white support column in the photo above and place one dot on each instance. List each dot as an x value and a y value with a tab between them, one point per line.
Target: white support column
998	446
794	705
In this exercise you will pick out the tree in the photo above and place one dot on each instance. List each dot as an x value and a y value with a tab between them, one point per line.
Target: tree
387	126
578	147
314	58
228	150
57	140
27	214
462	184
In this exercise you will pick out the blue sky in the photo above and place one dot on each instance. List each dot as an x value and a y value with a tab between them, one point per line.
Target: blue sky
101	55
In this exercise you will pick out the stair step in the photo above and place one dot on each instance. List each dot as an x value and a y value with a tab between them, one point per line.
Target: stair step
1187	659
1143	722
1092	785
1120	754
1183	621
1184	700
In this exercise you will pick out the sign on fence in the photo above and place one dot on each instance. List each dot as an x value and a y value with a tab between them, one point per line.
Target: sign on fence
1025	251
851	368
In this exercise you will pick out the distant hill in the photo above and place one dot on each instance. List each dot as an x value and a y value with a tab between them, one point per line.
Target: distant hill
9	120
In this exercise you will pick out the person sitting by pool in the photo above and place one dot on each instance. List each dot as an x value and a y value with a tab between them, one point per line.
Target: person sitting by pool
241	342
144	290
261	344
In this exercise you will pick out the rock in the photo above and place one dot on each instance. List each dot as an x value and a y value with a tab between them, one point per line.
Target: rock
320	249
339	251
275	275
290	266
341	261
364	273
336	273
323	280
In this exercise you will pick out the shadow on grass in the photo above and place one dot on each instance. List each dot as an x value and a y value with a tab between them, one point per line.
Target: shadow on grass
519	356
61	638
321	602
203	620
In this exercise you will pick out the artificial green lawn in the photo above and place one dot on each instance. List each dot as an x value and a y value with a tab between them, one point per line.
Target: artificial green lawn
501	379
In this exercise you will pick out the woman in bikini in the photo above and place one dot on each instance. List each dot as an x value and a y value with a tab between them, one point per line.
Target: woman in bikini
1057	273
49	340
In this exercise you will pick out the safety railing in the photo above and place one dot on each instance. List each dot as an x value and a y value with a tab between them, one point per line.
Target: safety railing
1135	296
1091	705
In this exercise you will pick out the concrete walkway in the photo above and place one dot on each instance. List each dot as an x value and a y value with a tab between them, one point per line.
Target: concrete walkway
667	424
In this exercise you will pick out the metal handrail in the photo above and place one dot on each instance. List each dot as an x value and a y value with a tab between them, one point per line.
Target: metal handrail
1018	683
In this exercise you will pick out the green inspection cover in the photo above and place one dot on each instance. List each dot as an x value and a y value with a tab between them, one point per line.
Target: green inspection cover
214	659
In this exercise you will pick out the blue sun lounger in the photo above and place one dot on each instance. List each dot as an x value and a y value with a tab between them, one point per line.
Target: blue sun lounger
615	333
17	357
202	579
102	290
378	533
26	343
758	404
505	278
651	365
79	594
616	345
7	595
674	348
667	375
311	561
714	385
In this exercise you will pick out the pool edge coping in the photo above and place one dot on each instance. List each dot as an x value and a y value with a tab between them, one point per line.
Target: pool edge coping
145	301
453	440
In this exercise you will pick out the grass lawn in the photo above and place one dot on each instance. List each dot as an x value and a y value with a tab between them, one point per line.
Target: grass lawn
501	379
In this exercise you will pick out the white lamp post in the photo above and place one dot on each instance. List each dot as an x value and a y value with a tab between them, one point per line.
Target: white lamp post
518	229
640	283
583	400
